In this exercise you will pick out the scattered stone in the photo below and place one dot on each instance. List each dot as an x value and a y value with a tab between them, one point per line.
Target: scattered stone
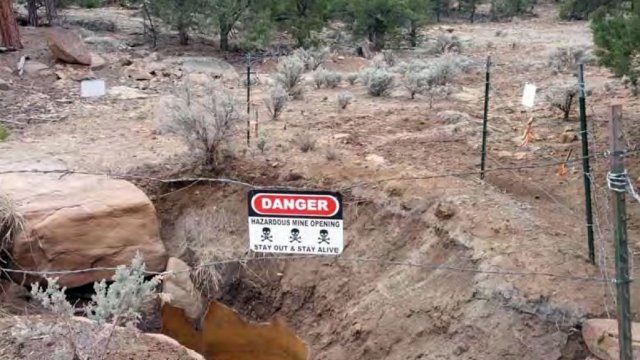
182	293
215	68
34	68
601	337
79	222
199	79
105	43
566	138
172	342
93	24
74	74
138	74
4	86
444	211
569	135
126	93
97	62
453	117
126	61
375	159
293	176
68	47
143	85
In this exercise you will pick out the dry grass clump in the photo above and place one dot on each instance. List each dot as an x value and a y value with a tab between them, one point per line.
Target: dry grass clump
11	224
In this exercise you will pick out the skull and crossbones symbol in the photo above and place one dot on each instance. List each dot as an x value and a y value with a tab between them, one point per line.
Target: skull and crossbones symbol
295	236
266	235
324	237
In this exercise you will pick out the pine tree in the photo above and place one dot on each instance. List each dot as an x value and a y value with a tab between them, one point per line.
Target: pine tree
183	15
8	26
617	36
301	17
418	14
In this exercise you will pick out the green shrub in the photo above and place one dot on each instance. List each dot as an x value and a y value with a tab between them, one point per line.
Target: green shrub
344	99
567	58
4	133
582	9
378	81
503	9
289	72
90	4
618	43
277	101
352	78
563	97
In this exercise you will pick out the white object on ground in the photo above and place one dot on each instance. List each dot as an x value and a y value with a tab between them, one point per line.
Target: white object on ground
92	88
529	95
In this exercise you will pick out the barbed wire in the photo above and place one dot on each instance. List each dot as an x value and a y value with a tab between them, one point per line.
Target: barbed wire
376	261
66	172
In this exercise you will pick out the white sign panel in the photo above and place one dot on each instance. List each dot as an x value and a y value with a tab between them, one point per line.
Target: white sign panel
529	95
296	222
92	88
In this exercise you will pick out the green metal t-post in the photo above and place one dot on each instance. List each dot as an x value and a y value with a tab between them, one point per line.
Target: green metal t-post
622	251
487	84
586	167
248	100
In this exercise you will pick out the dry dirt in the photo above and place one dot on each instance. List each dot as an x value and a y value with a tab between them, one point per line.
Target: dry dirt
364	304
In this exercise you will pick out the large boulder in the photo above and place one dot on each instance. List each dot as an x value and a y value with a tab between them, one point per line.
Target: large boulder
81	222
68	47
601	337
180	289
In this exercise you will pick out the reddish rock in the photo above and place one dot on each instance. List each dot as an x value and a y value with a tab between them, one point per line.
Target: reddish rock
601	337
68	47
82	221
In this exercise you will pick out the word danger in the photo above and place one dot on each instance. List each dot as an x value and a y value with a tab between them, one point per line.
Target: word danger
302	249
295	205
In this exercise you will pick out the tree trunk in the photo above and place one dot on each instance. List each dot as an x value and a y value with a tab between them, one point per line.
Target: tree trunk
32	8
224	40
473	11
184	37
183	33
413	36
52	12
8	26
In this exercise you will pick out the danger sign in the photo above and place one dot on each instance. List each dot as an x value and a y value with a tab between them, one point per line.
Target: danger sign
295	222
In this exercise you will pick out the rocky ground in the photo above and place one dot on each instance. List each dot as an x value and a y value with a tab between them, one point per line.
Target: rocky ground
383	298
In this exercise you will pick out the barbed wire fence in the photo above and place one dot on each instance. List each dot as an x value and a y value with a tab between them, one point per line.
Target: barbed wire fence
601	197
603	280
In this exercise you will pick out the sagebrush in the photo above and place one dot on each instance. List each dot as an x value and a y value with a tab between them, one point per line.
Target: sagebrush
312	58
352	78
379	81
567	58
563	98
277	101
344	99
118	304
205	124
445	43
305	142
289	73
